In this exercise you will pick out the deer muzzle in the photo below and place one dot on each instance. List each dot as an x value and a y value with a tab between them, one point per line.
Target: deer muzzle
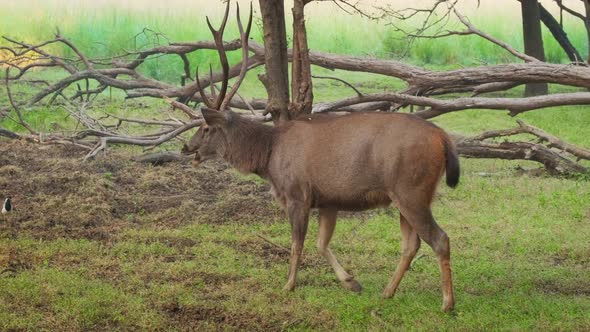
186	150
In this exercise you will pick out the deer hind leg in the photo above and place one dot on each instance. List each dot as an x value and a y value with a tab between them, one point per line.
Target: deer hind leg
422	221
299	218
409	246
327	223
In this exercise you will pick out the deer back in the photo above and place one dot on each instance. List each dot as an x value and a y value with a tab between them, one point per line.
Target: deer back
358	160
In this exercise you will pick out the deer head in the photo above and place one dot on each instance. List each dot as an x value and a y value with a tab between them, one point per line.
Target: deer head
211	138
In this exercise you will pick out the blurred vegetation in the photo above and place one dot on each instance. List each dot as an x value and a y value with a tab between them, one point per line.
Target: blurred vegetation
106	31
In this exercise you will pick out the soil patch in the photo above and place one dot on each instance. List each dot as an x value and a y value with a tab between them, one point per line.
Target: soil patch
270	254
563	287
215	318
57	195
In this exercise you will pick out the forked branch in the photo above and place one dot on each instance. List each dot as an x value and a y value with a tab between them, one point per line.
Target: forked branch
556	155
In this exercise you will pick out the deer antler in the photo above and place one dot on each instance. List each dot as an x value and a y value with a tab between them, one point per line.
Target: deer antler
244	39
223	99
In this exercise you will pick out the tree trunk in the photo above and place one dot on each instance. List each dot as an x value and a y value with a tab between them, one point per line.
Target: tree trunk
301	85
276	61
587	25
560	35
533	41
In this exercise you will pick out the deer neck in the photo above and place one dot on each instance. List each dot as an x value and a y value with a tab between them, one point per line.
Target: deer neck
249	145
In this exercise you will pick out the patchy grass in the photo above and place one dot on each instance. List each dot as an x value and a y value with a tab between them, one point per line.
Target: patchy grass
110	244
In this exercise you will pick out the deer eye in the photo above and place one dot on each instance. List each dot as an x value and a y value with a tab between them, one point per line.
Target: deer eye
206	130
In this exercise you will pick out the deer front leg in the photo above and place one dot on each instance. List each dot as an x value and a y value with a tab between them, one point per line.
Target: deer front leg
299	218
327	221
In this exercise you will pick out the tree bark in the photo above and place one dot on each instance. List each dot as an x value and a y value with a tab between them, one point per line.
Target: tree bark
276	60
301	84
587	26
553	162
533	41
560	35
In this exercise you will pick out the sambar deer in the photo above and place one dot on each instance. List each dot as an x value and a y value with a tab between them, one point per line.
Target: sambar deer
351	163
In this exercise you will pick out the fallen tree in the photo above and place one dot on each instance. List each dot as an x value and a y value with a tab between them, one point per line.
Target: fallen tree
439	92
556	155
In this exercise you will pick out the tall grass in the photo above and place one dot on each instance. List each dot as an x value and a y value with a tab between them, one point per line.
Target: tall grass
102	30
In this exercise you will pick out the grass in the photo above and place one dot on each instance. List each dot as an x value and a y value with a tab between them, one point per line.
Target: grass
108	29
520	259
131	255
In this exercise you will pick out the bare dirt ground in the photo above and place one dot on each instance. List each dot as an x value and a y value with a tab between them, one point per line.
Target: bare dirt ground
58	195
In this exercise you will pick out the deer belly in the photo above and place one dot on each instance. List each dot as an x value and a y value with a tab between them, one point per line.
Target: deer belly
356	202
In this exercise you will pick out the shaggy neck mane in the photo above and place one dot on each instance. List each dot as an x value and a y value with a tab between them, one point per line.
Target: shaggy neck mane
249	145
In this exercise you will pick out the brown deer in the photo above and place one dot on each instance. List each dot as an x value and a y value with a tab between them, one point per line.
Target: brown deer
351	163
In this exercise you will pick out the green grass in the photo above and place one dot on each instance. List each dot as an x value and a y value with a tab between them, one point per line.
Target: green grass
519	243
103	31
520	262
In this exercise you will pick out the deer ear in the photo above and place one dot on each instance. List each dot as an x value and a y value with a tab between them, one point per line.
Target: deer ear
215	118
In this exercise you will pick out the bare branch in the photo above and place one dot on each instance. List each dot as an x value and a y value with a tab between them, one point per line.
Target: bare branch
488	37
21	120
569	10
81	55
553	141
553	162
438	107
422	85
358	93
184	108
102	144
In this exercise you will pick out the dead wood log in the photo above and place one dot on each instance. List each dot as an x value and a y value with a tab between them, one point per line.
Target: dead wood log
9	134
552	141
422	85
556	163
421	82
438	107
553	162
161	158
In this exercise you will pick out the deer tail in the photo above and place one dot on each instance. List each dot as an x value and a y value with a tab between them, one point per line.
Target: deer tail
453	171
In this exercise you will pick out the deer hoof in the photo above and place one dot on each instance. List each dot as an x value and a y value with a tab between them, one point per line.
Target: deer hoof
447	307
289	287
352	285
387	293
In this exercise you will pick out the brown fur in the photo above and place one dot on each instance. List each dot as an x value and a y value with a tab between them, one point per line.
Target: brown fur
249	145
354	162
